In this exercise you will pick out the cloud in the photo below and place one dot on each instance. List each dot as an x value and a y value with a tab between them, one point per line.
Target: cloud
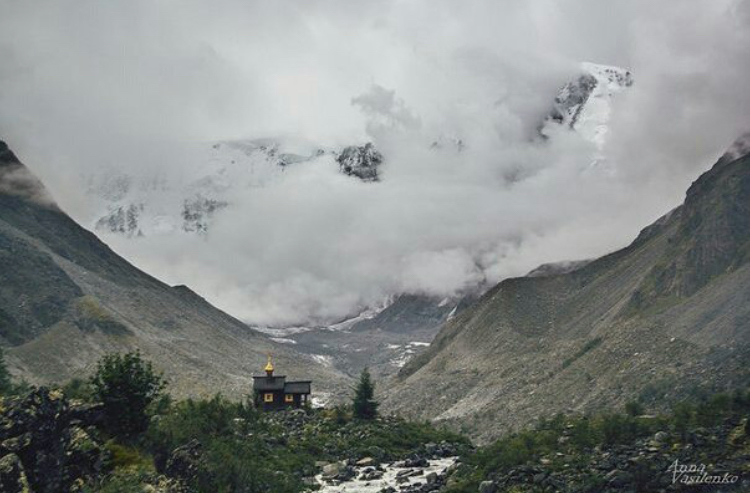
89	85
18	180
384	111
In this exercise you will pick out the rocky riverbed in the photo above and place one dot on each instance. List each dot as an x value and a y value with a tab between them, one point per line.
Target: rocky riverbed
417	475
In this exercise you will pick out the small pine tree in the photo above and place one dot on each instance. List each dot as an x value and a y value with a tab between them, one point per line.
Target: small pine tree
365	406
126	385
6	386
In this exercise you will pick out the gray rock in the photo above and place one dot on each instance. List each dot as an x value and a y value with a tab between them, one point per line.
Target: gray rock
487	487
366	461
361	161
185	462
331	470
661	437
53	454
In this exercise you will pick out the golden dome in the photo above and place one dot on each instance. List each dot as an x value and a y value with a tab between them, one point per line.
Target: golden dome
269	365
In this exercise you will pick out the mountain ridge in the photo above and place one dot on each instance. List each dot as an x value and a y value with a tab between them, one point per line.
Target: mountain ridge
66	299
664	315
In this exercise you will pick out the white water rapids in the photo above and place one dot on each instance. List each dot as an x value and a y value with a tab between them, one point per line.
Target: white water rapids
437	466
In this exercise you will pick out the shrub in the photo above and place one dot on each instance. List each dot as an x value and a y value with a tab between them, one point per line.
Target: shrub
126	480
126	385
583	435
682	418
340	415
237	454
78	389
634	408
617	428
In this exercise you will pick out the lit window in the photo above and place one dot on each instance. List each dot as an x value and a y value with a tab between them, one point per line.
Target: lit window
289	398
267	397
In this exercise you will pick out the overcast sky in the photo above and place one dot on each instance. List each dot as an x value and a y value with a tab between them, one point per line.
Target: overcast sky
86	84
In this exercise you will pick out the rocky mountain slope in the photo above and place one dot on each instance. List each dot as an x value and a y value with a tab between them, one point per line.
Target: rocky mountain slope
66	298
666	315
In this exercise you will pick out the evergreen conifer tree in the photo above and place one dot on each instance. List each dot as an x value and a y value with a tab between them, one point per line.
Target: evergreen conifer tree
365	406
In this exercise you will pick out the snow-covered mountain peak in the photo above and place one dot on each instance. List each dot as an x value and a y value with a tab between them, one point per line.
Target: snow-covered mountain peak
585	104
210	175
616	78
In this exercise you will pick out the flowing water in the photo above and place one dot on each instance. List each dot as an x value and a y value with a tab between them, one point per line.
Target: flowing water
437	466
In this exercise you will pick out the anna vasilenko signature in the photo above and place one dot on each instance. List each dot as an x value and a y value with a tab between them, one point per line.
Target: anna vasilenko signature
694	474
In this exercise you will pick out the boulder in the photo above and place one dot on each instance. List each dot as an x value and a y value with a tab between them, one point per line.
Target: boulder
416	461
487	487
346	473
51	444
331	470
87	414
366	461
185	462
661	437
376	453
431	449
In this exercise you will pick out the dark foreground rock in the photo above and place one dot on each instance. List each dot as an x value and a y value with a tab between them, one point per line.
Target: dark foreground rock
713	459
185	463
47	445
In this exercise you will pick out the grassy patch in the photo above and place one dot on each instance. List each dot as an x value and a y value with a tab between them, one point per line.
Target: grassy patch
127	456
91	315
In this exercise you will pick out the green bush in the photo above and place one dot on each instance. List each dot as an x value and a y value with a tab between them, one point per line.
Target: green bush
583	434
618	428
126	480
236	456
199	419
126	385
79	389
634	408
682	418
341	414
